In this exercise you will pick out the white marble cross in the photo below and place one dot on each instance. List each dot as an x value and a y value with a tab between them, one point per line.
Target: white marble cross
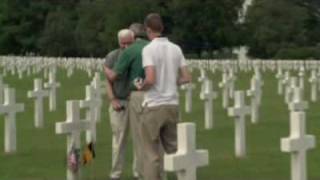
289	89
187	159
231	79
255	94
239	111
188	96
313	83
297	103
208	95
2	87
203	75
73	127
52	85
91	103
224	84
69	71
280	78
45	73
98	91
297	144
301	76
10	109
286	81
20	73
39	94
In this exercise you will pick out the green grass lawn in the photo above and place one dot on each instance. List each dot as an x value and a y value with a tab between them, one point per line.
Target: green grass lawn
41	153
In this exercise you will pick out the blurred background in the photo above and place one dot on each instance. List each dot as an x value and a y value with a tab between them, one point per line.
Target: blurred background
280	29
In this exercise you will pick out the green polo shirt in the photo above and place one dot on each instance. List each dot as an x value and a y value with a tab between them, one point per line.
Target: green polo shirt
130	62
120	86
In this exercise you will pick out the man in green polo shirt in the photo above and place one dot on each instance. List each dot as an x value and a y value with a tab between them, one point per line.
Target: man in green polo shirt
130	63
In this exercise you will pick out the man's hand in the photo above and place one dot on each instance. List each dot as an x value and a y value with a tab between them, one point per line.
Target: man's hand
116	105
138	83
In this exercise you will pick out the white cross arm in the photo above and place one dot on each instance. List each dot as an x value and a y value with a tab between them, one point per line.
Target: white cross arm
42	93
5	109
67	127
238	111
222	84
208	96
313	80
297	144
279	76
250	92
89	103
187	86
176	162
51	85
298	106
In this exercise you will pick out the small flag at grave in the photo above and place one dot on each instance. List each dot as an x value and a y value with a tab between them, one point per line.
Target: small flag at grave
74	159
89	153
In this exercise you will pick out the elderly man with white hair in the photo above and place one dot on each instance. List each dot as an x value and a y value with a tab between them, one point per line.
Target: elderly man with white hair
118	92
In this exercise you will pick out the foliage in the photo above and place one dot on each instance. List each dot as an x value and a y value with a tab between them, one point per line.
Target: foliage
278	25
299	53
89	27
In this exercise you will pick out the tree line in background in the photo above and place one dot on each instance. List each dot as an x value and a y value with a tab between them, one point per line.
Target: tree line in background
204	28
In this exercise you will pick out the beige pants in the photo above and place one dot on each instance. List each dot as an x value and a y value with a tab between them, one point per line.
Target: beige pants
135	111
120	126
159	132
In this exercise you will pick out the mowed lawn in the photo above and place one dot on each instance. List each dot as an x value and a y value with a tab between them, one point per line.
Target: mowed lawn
41	154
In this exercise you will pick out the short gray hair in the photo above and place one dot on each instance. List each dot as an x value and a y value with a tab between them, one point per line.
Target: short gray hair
125	33
138	29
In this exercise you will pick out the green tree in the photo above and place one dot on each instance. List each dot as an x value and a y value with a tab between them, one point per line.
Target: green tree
90	27
205	25
21	23
57	38
273	25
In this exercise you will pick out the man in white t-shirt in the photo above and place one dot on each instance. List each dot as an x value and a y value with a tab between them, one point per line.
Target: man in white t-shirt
165	69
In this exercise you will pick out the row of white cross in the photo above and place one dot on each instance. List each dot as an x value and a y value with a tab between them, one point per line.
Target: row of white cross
9	107
187	158
297	143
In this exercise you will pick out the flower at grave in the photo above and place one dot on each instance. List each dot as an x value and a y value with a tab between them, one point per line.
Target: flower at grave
73	159
89	153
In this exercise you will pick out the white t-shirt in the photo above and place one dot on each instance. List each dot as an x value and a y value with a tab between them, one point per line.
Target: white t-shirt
166	57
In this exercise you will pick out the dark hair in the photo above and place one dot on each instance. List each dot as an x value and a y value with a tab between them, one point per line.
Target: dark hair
154	22
138	30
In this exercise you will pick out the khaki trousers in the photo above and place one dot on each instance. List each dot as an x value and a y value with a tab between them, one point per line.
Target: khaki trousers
120	126
135	111
159	133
